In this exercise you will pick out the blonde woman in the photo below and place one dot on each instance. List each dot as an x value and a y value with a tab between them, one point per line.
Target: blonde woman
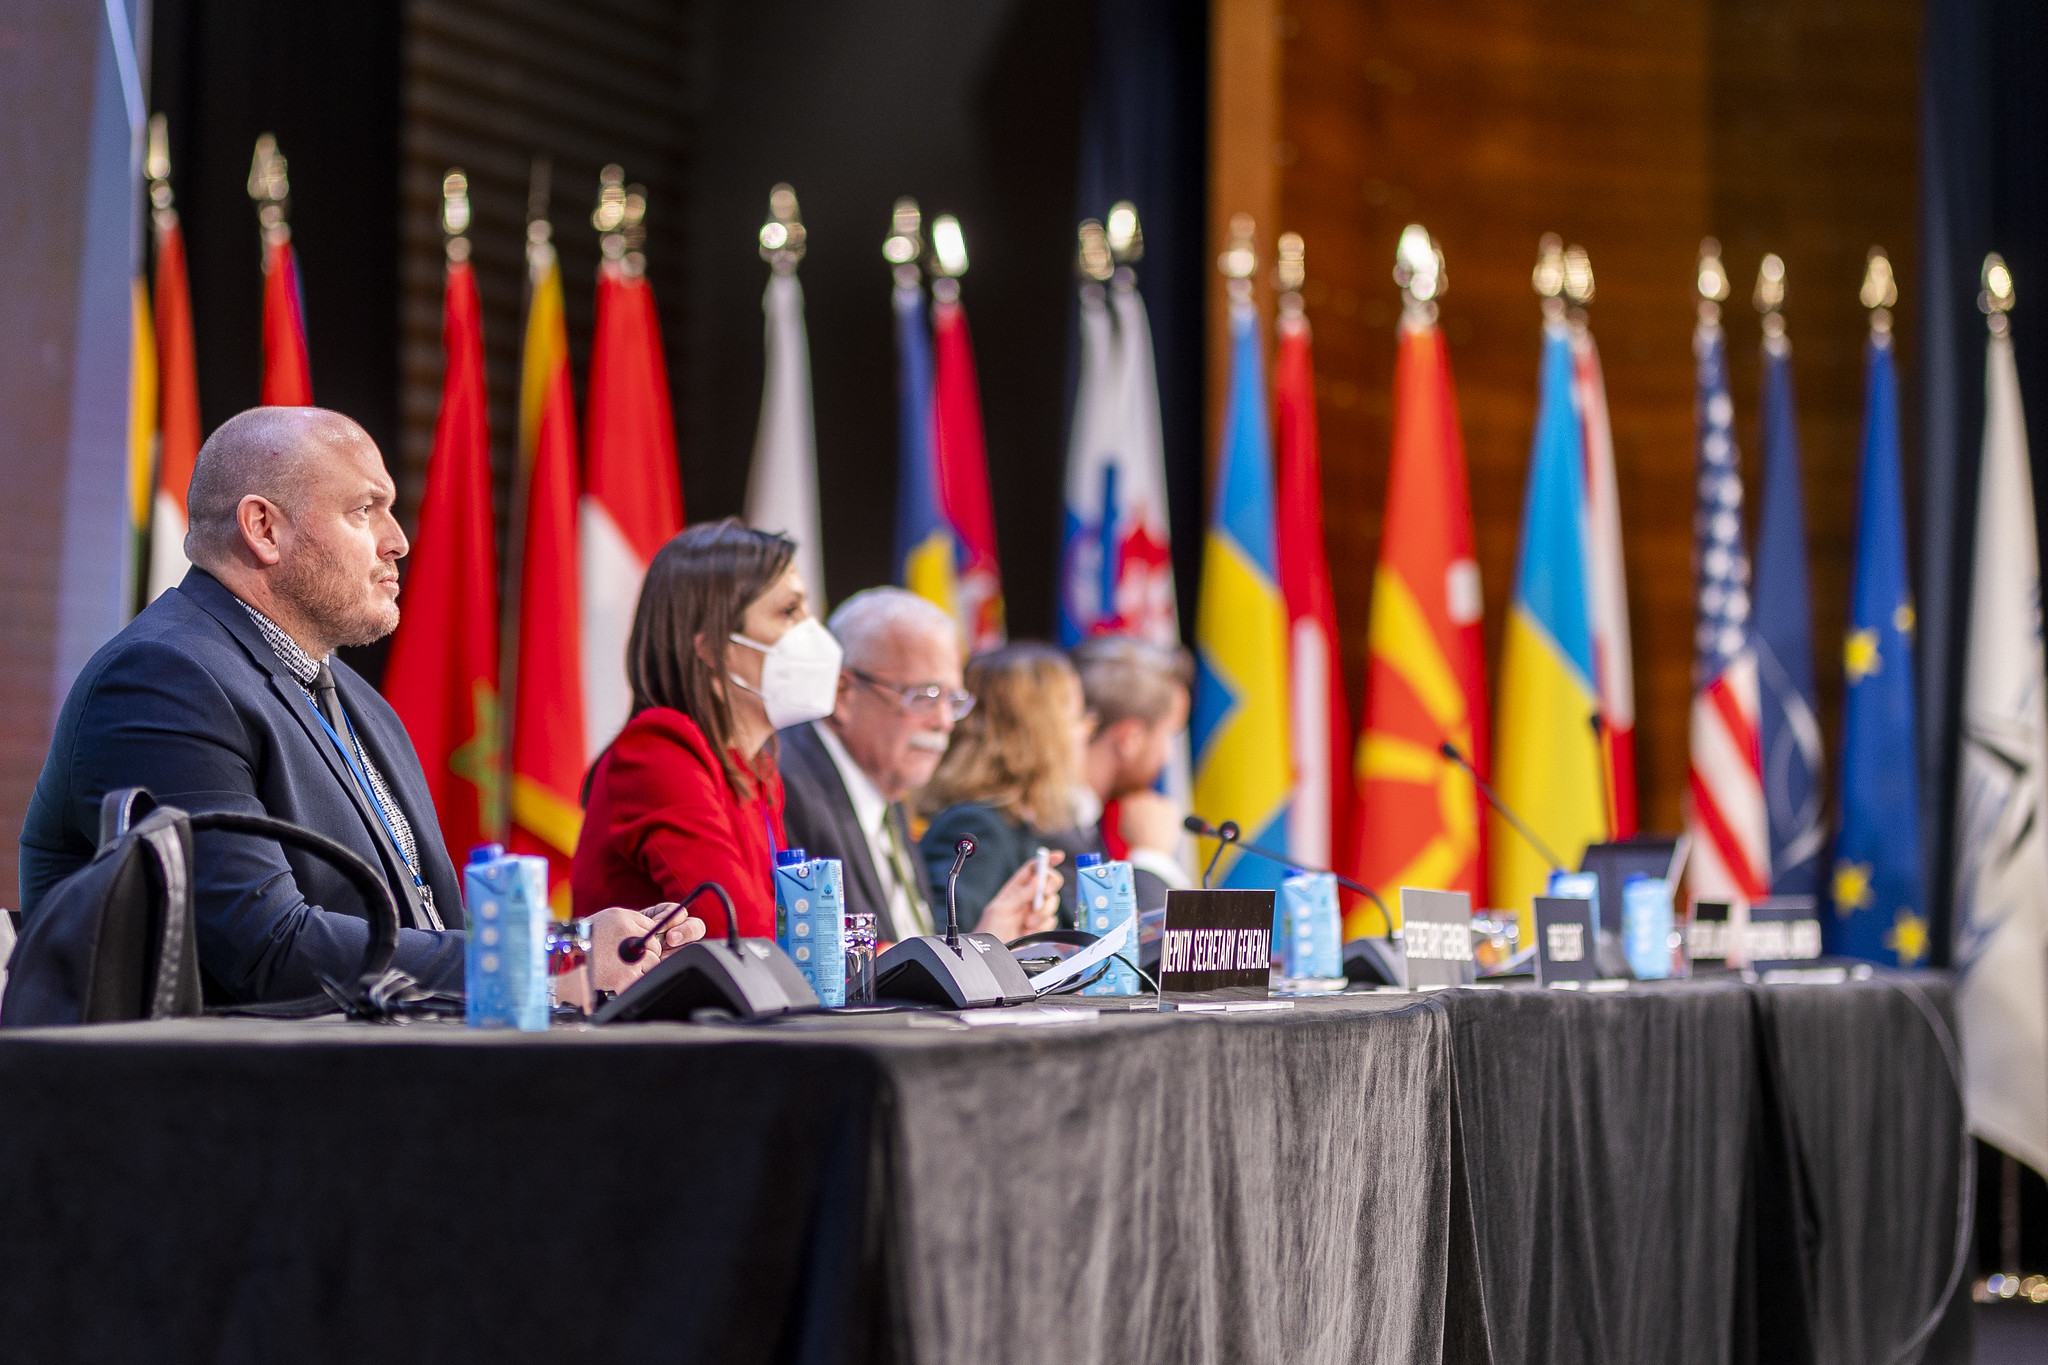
1008	779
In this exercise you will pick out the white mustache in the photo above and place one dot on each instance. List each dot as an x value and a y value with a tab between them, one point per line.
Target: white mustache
929	742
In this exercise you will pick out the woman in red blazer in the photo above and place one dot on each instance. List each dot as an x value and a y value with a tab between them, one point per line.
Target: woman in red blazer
724	651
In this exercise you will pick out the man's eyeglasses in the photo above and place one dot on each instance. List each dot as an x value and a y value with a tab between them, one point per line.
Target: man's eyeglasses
930	699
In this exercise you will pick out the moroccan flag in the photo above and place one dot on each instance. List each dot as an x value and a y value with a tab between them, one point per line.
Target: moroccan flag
1242	768
1321	719
142	405
961	457
1788	725
1879	901
1613	662
1550	763
548	751
632	495
926	559
442	677
287	379
1417	814
178	407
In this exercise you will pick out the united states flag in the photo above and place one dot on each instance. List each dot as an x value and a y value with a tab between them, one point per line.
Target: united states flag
1725	806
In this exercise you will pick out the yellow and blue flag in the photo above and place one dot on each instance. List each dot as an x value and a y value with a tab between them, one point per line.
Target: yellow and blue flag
925	548
1548	765
1879	902
1242	771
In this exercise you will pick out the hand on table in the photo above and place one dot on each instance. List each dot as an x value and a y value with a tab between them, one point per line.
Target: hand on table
610	928
1010	913
1149	820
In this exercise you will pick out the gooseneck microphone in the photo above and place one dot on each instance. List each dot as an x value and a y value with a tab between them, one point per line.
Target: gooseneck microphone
1224	834
962	851
1450	751
635	948
1228	833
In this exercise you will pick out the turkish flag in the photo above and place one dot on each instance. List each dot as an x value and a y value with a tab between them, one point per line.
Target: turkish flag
442	676
287	376
632	494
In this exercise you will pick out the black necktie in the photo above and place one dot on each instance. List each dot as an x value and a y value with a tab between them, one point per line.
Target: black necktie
329	697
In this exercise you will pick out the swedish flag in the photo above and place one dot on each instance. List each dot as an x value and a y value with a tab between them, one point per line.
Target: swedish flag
1242	771
1879	906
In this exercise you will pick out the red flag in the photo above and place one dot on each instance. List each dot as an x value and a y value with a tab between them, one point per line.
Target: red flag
287	380
547	726
178	406
632	496
442	677
1417	814
962	459
1321	732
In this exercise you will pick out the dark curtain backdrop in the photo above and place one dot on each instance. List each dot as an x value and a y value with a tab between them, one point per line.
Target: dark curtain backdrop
1984	187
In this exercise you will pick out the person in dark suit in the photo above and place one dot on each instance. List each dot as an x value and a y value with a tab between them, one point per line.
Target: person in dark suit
1139	695
845	778
224	695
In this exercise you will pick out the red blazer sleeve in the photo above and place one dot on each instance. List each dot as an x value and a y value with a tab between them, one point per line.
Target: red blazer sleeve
673	814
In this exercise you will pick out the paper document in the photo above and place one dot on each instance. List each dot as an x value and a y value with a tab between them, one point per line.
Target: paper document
1098	951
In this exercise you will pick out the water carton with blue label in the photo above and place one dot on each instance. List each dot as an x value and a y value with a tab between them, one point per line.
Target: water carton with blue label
506	963
1647	926
1106	897
1308	933
810	921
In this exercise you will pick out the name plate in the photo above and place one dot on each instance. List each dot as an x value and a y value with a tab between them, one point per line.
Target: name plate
1436	937
1784	931
1708	934
1216	945
1567	947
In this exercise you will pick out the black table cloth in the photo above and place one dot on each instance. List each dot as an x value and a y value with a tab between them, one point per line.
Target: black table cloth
1483	1175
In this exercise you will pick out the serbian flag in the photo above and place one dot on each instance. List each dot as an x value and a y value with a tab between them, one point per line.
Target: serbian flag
961	458
287	379
442	677
632	495
1321	728
548	752
177	407
1418	814
1613	665
1731	839
1550	768
1242	767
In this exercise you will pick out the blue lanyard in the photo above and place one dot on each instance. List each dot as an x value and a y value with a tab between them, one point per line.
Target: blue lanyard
363	781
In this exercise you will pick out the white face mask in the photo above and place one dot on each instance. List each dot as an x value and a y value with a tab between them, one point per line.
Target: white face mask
799	675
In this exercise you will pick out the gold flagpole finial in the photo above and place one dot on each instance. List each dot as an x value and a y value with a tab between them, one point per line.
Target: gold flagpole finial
1093	260
540	246
1997	299
620	220
158	168
1419	271
1578	282
270	187
1547	279
949	249
1711	282
1880	292
1770	300
782	236
1125	239
455	213
1239	258
905	243
1290	273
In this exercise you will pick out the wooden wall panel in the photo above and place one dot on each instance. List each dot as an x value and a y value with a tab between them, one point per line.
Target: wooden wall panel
1632	130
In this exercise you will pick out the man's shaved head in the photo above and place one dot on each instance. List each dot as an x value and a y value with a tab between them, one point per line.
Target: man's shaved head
291	509
268	452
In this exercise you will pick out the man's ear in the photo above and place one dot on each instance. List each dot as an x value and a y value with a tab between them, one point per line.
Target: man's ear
260	522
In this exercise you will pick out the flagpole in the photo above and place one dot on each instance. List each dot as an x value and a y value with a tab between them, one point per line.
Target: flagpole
540	254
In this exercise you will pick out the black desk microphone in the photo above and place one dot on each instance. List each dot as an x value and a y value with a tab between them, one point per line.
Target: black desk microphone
743	978
962	851
635	948
1450	751
1227	833
955	970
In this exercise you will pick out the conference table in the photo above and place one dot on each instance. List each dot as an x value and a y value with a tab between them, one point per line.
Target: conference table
1701	1171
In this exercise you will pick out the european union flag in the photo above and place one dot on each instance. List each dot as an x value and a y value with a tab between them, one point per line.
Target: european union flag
1877	892
1788	724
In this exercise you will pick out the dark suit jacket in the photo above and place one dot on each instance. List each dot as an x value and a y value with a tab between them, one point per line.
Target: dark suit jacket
819	817
191	702
1004	845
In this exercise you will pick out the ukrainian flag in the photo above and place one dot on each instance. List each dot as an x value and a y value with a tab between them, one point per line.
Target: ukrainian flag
925	548
1242	771
1549	765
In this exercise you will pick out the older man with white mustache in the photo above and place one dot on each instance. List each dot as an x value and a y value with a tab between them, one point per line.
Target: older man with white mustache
845	777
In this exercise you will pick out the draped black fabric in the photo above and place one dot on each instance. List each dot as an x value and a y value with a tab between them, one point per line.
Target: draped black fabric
1699	1172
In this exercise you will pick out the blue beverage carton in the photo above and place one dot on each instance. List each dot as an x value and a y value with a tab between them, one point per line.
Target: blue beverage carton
810	921
506	956
1646	926
1308	930
1105	896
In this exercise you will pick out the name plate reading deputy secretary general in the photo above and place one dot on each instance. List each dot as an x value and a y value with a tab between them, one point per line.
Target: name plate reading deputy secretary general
1216	945
1436	935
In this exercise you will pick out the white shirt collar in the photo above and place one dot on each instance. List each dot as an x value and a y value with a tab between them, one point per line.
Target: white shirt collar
868	806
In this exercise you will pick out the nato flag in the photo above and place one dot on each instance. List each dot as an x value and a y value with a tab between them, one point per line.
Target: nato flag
1879	904
1788	726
